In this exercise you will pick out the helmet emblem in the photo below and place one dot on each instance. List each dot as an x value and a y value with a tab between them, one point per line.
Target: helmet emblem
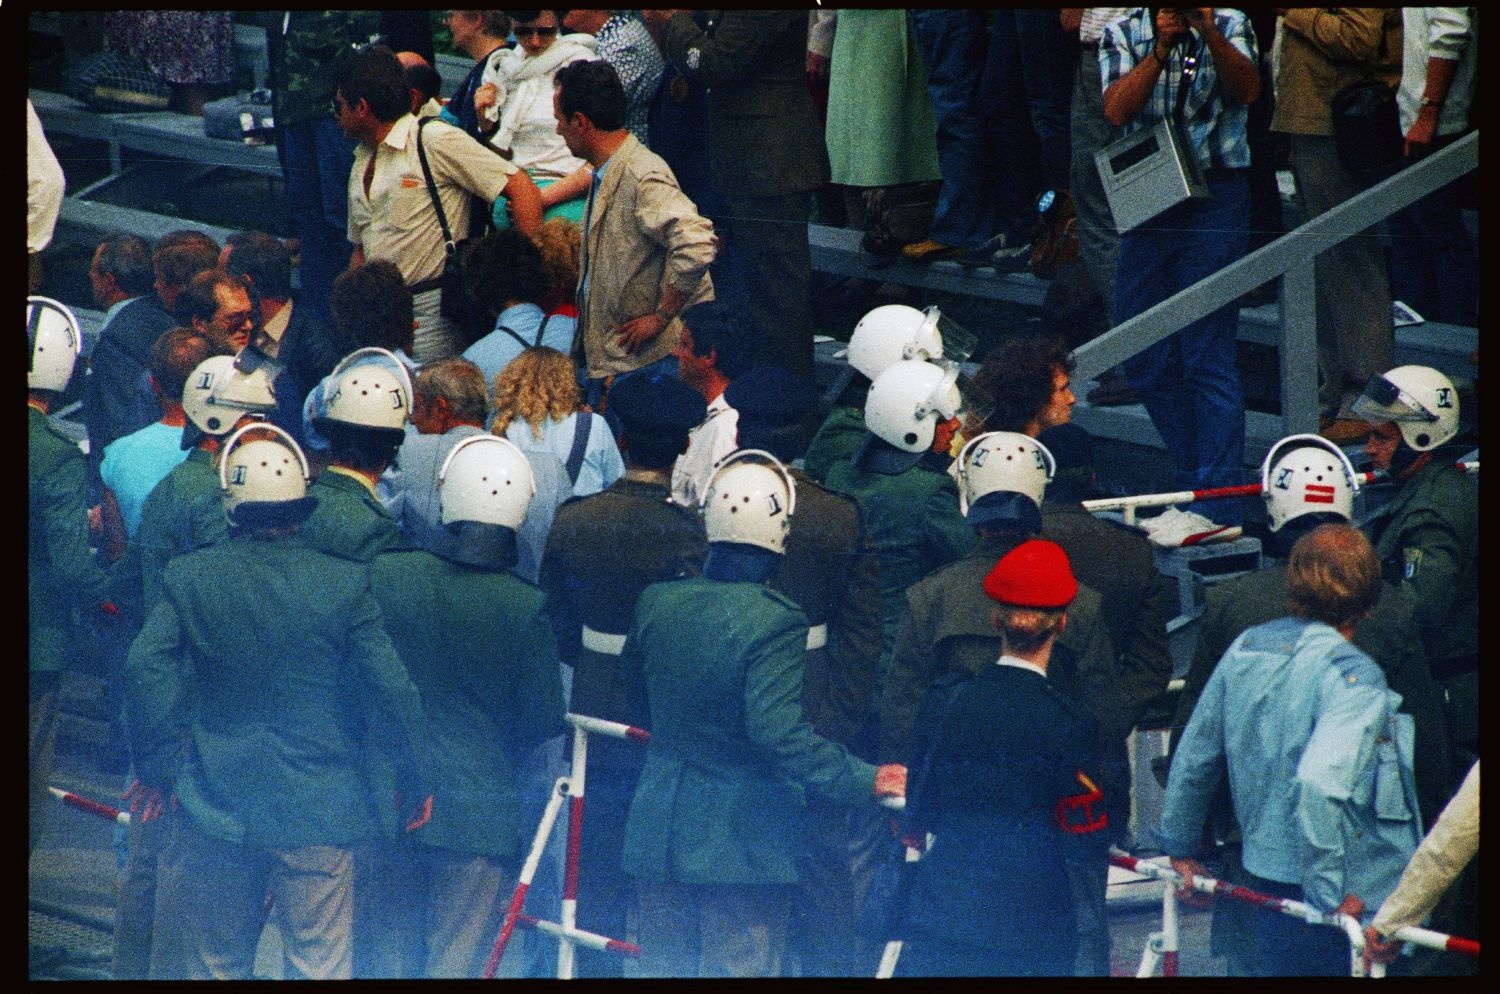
1283	479
1444	397
1317	493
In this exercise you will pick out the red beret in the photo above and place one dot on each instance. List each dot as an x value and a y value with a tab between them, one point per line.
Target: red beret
1033	574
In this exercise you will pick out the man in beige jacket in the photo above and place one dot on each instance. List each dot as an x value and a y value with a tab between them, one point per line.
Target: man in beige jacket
646	250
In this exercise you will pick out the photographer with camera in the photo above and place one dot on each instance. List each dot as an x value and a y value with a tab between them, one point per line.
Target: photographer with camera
1195	67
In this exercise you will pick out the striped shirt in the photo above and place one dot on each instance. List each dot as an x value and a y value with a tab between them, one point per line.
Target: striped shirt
1215	127
1095	20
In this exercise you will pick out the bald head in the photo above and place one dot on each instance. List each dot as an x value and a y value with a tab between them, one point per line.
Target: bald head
409	59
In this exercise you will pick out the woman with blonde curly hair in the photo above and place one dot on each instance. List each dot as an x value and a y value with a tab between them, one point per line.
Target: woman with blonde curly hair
538	407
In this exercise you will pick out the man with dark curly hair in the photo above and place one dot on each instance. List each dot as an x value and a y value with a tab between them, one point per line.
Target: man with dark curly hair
1027	378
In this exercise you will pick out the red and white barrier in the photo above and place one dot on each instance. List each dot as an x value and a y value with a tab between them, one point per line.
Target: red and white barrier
1127	506
93	807
1161	948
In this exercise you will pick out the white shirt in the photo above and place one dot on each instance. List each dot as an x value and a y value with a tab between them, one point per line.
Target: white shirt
1022	664
711	441
1438	33
44	184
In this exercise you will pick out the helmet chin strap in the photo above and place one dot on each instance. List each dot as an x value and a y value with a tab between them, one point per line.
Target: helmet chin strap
1406	461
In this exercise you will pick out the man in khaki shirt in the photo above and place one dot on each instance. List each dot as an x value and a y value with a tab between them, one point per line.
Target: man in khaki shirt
646	249
391	214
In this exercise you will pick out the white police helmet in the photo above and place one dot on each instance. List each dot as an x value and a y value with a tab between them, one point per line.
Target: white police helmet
218	394
262	464
1002	462
55	341
908	400
1421	401
1307	474
892	332
370	389
750	500
486	479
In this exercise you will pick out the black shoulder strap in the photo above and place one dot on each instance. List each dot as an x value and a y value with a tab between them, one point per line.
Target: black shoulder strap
920	781
437	203
581	429
541	330
512	333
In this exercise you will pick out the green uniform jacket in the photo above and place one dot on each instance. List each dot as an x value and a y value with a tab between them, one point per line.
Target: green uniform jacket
1390	637
946	628
348	520
764	136
481	652
60	568
185	511
916	525
274	658
831	572
837	440
602	551
1116	560
721	797
1427	538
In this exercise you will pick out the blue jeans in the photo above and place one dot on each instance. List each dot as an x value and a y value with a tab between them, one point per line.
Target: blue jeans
952	43
1027	93
1190	383
1434	259
315	159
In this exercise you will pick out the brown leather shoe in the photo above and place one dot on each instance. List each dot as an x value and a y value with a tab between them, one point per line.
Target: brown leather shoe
1344	431
929	251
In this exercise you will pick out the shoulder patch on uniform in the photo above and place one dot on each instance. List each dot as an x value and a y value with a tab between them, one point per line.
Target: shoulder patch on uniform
1411	563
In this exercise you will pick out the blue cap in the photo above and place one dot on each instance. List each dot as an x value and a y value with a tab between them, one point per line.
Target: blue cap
656	403
771	396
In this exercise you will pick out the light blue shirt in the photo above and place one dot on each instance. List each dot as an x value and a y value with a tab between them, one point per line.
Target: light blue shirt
602	464
134	464
1319	764
492	352
588	219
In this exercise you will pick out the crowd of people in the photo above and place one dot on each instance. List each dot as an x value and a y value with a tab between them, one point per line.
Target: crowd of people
537	432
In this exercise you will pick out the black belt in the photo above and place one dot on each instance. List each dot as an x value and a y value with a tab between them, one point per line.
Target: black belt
436	283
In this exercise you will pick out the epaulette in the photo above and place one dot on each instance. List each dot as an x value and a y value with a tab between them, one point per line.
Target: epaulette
778	597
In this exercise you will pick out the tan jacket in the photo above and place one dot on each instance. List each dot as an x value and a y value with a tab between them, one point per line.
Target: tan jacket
1323	50
643	233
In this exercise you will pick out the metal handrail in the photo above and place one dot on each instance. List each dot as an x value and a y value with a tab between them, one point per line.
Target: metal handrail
1290	256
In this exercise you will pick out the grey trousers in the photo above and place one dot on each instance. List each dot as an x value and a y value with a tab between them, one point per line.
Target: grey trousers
1355	334
1098	241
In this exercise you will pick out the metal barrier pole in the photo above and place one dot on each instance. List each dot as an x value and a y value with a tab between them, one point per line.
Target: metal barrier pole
565	955
590	939
528	872
90	805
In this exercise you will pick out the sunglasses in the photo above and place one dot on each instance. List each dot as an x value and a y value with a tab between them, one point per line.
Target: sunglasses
537	32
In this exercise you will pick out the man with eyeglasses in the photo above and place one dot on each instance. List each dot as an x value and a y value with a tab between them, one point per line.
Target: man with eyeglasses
392	214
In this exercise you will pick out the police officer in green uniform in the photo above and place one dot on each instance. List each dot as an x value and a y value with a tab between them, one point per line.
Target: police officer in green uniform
367	409
61	572
899	475
1427	537
478	645
947	627
830	570
887	334
183	512
714	827
1116	560
602	551
281	694
1307	481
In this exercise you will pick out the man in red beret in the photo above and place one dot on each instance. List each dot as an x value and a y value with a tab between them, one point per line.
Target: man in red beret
1005	768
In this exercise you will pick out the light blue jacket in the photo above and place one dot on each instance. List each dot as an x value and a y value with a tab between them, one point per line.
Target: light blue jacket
1319	764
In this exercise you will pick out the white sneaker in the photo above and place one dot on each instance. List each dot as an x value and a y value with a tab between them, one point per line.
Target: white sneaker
1174	529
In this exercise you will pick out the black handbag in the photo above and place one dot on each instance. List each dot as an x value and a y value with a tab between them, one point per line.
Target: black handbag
1367	126
883	908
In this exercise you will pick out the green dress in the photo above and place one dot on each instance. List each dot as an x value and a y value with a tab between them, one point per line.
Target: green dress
881	130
